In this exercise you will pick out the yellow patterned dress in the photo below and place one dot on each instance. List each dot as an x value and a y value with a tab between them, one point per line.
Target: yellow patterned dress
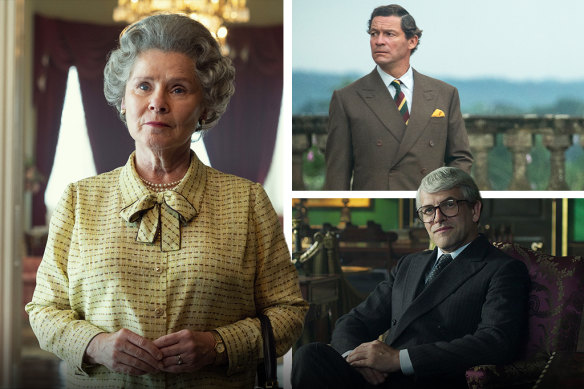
207	255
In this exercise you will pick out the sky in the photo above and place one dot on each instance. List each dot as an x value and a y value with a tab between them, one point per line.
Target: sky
522	40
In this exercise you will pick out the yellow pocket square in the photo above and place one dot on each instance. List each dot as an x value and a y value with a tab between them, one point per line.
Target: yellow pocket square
438	113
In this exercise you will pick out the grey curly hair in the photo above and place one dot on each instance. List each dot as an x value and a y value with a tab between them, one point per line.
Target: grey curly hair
173	33
446	178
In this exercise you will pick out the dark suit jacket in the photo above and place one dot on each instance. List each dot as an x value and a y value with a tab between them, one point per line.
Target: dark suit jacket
368	139
474	313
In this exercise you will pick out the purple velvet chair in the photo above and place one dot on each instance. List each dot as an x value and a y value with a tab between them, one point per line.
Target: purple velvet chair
555	320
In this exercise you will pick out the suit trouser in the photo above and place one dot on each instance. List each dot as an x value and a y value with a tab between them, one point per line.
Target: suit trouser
317	365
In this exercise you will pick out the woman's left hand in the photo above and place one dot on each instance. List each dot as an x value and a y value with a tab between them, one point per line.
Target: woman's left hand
186	351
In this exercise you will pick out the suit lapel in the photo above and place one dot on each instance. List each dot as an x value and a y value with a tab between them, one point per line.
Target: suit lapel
461	270
414	276
375	94
422	105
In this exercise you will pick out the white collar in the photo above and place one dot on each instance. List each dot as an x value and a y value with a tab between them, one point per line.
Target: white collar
407	79
453	254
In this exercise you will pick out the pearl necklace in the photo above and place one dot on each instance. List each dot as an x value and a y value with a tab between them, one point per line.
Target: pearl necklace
160	187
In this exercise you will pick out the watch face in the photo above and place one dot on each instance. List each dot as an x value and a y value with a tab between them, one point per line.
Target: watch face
220	347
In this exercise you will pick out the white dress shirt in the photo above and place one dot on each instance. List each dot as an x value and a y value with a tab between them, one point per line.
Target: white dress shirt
407	84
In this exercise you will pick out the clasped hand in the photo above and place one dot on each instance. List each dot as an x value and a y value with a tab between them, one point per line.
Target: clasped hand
374	360
127	352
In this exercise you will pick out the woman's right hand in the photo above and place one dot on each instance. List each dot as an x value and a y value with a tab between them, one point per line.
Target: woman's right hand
125	352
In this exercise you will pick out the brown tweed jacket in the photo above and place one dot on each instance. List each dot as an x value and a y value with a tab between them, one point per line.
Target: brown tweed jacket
369	146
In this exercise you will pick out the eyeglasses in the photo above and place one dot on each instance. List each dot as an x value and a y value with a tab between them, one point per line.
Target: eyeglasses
448	208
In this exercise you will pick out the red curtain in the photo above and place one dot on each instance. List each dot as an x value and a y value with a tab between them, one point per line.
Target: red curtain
243	141
59	45
241	144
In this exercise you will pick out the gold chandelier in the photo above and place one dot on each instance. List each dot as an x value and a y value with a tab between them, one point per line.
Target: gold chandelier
211	13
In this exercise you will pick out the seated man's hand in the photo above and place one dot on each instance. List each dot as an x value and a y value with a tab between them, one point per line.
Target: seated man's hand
372	376
375	355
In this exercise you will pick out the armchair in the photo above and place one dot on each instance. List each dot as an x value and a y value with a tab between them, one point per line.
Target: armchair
555	322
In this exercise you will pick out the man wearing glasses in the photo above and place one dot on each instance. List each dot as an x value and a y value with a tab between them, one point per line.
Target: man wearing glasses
442	311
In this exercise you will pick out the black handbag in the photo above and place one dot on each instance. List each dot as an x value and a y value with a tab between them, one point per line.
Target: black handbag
267	377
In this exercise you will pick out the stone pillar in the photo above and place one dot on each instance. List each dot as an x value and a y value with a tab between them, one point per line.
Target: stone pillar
557	144
11	183
520	142
300	144
480	145
320	141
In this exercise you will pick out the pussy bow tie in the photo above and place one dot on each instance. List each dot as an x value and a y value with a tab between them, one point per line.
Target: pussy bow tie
166	211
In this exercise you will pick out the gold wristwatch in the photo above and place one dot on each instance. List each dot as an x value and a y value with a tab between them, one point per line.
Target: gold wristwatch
221	353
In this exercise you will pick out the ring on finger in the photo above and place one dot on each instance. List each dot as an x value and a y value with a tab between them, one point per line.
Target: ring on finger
179	360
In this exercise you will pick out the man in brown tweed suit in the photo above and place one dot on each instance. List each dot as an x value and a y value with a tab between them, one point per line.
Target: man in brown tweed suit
371	145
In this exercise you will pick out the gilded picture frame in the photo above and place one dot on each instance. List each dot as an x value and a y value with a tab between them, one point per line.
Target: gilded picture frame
333	203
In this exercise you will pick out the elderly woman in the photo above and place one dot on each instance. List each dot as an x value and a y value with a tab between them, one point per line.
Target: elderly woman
154	273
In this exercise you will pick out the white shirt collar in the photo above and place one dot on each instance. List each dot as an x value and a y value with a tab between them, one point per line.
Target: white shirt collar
455	253
407	80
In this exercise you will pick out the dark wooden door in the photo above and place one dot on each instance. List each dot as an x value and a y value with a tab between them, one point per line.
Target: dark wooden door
528	222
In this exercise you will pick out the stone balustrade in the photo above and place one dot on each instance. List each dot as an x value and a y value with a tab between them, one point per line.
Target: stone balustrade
557	132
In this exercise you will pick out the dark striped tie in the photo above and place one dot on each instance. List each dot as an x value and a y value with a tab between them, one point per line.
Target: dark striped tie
400	101
444	260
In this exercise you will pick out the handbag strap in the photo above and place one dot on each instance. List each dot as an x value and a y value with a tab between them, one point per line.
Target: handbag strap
267	376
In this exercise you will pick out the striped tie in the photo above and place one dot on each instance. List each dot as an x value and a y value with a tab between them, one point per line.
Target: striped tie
400	101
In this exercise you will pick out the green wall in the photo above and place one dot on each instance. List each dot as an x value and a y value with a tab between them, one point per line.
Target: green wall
382	211
386	213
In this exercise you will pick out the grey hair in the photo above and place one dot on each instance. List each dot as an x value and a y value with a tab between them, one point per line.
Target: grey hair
446	178
173	33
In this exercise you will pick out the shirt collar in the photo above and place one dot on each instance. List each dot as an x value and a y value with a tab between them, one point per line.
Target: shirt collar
407	80
455	253
192	186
